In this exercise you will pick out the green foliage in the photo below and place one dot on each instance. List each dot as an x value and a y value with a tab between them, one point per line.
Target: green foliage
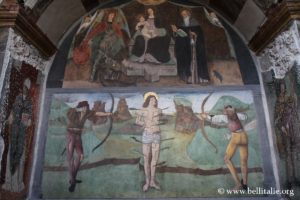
181	100
228	100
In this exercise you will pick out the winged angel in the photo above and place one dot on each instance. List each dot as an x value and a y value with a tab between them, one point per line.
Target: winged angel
101	42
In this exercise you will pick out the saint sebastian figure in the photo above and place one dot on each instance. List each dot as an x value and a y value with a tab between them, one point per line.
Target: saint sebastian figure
149	117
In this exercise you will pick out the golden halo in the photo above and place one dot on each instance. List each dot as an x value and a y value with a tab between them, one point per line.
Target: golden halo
150	94
151	2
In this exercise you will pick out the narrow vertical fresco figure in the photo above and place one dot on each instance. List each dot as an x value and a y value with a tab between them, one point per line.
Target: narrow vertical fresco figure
287	132
19	120
77	118
1	149
191	63
149	118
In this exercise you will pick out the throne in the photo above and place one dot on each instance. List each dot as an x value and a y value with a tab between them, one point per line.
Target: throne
151	71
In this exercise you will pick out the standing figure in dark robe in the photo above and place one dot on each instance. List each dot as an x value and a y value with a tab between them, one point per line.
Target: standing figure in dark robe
189	40
77	117
155	48
19	120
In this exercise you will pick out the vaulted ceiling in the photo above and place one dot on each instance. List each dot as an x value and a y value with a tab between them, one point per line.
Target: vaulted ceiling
230	9
55	17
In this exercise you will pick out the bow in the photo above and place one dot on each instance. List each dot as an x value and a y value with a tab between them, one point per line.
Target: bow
202	124
110	125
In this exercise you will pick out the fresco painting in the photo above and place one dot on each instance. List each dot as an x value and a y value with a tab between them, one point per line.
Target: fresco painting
139	44
286	122
18	131
150	145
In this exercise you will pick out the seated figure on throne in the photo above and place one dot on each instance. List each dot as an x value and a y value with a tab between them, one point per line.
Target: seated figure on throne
151	40
144	28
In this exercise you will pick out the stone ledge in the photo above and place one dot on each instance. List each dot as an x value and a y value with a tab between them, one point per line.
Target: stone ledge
150	71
